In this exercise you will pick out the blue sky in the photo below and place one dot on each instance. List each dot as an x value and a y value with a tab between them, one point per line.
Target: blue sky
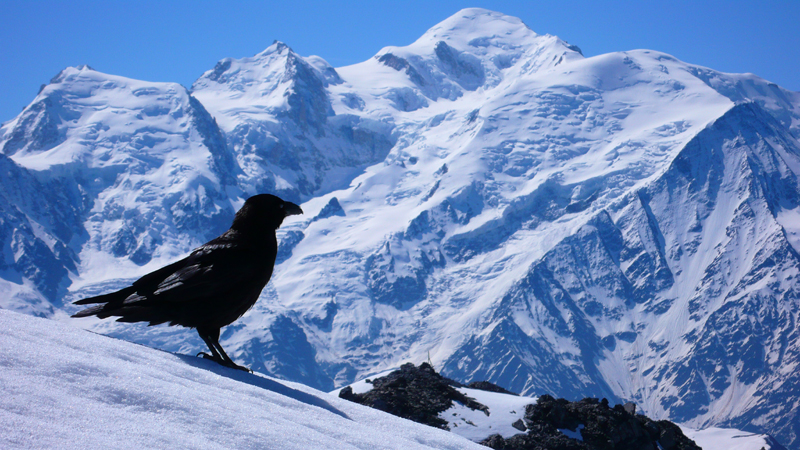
179	40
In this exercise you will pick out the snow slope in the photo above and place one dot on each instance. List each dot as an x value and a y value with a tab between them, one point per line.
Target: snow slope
729	439
476	426
67	388
621	226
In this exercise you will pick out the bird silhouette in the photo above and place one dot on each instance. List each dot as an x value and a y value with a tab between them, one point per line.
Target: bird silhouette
213	286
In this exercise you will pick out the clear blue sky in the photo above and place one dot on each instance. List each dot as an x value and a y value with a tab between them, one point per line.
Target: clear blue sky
178	40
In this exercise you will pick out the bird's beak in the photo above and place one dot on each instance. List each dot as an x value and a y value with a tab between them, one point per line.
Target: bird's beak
291	209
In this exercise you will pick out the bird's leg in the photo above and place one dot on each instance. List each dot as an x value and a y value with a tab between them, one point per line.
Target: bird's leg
229	362
205	334
218	355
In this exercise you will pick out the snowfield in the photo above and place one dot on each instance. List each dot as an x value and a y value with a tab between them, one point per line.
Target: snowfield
63	387
728	439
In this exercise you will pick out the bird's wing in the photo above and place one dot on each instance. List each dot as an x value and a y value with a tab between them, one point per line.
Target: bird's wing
140	287
210	271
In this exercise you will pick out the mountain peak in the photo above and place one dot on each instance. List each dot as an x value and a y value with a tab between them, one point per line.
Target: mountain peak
479	28
264	71
277	47
70	71
472	48
478	21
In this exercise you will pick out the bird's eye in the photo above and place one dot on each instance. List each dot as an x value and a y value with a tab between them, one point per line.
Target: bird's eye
281	206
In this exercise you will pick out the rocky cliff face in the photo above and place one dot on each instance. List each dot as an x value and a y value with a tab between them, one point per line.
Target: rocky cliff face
38	220
621	226
667	281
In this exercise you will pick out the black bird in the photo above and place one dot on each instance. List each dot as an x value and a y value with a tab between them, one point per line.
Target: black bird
210	288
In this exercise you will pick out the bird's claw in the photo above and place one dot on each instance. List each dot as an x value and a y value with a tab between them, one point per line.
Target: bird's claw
233	365
222	362
211	357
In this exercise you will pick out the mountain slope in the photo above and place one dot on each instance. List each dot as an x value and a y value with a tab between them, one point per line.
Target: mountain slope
680	297
35	263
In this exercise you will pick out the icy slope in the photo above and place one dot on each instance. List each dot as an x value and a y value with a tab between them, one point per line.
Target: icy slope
67	388
730	439
38	219
679	295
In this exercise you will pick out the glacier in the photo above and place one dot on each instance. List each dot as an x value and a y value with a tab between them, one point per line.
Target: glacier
622	226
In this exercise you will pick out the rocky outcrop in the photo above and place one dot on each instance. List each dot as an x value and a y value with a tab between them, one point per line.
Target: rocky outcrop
414	393
590	424
491	387
422	395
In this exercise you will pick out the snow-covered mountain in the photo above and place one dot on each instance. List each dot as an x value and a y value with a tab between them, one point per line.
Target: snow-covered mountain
108	176
621	226
281	125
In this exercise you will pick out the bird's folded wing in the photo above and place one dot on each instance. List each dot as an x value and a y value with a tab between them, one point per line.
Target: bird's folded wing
206	273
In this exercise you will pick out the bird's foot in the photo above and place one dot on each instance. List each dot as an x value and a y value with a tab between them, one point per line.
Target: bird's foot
223	362
233	365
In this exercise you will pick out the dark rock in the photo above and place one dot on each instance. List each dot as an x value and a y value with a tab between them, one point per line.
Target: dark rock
347	394
333	208
630	408
400	64
494	441
414	393
543	438
491	387
465	69
604	428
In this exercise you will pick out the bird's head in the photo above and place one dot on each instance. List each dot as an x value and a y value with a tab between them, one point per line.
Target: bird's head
263	211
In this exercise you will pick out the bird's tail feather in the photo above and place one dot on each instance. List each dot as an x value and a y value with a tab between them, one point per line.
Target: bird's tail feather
117	296
154	316
89	311
125	305
126	313
105	305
